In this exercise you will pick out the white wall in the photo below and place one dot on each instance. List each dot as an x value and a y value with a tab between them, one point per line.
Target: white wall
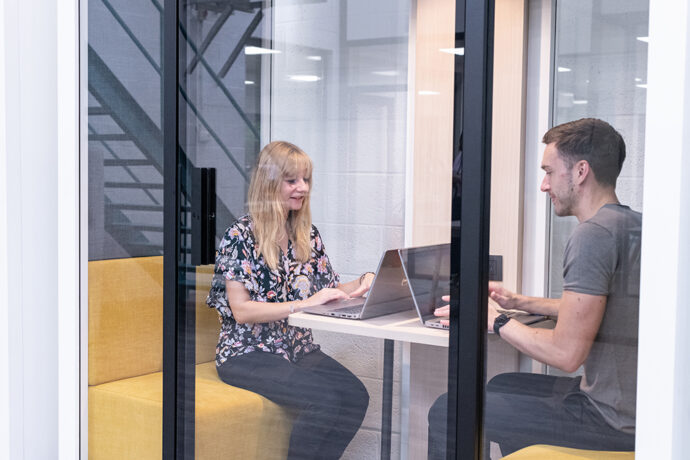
663	402
4	264
39	228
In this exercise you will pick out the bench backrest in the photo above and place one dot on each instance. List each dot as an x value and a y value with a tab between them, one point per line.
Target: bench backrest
126	318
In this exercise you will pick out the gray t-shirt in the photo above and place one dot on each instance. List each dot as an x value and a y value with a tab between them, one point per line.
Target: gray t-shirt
602	257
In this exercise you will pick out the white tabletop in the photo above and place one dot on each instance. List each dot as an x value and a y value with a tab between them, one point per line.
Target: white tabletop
404	326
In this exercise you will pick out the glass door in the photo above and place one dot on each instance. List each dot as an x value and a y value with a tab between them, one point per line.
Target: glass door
559	366
304	140
125	227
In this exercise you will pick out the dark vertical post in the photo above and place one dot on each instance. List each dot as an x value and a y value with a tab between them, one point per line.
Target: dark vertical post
171	243
470	246
387	399
178	378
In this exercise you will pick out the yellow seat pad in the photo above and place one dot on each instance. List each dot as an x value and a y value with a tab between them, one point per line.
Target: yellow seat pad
125	420
544	452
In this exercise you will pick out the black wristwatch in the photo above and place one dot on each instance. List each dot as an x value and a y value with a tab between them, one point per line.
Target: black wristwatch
499	322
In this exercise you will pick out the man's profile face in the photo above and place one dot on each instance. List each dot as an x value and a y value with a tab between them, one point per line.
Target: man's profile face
558	181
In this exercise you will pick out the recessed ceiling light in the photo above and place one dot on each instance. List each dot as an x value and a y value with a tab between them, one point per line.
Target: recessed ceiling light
642	85
579	101
564	69
248	82
252	50
458	51
304	78
643	39
314	58
385	73
428	93
638	79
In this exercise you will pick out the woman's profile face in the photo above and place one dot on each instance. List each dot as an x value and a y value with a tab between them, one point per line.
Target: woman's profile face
293	190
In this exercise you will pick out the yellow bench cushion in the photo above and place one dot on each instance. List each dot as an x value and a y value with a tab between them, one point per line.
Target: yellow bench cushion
125	318
544	452
125	420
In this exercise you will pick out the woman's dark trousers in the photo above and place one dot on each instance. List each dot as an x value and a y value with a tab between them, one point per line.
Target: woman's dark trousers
329	400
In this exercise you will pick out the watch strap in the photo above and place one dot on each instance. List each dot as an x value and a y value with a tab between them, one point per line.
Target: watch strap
499	322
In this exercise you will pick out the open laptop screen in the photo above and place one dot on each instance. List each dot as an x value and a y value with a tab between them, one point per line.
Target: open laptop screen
428	273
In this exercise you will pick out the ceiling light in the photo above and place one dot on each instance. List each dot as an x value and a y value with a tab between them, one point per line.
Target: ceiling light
304	78
252	50
314	58
638	79
564	69
458	51
428	93
248	82
643	39
642	85
579	101
385	73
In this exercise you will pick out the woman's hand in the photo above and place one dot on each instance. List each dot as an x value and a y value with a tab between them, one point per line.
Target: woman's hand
323	296
364	286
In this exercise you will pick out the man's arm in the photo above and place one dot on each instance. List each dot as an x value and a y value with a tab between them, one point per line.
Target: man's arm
510	300
567	345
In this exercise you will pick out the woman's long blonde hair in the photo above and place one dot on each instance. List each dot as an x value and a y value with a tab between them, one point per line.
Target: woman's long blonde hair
278	160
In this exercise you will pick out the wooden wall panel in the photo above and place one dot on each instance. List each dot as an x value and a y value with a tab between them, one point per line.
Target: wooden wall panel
433	121
507	142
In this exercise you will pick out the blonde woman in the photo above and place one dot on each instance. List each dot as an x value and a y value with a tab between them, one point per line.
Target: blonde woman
271	263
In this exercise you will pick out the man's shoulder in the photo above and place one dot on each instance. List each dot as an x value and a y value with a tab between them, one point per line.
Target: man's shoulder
616	216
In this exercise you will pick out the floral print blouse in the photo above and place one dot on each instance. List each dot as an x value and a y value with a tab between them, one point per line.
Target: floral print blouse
238	260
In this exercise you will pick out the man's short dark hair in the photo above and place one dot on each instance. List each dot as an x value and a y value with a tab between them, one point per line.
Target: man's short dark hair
592	140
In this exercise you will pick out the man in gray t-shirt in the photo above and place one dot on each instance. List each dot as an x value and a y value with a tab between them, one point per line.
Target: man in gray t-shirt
602	258
596	316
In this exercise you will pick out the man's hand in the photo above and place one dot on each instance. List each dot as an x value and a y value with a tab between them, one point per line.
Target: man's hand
503	297
444	311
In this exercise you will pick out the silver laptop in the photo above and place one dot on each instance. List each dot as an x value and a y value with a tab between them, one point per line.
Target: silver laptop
427	269
389	293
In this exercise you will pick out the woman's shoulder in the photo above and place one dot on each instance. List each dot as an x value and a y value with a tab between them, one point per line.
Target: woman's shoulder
240	229
315	238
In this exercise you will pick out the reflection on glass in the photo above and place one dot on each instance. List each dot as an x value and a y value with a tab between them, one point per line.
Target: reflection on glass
125	272
601	72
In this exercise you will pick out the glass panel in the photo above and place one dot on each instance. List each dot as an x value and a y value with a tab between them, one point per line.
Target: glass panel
332	79
125	158
584	395
604	76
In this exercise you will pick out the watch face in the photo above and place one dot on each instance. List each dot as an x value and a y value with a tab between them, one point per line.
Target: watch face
499	322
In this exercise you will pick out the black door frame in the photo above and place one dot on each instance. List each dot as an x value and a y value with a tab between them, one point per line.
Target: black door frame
467	353
469	272
178	317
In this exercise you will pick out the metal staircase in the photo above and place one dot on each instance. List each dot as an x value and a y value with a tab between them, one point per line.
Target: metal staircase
133	203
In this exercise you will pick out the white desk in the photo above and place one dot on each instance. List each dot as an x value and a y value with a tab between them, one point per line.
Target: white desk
404	327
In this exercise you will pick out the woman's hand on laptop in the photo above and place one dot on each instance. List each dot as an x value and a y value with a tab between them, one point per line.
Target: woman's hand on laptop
364	285
444	311
325	295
